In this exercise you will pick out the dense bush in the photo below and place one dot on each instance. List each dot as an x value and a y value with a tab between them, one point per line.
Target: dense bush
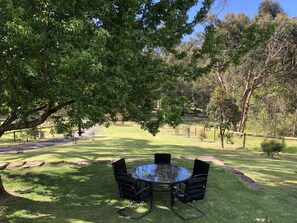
271	147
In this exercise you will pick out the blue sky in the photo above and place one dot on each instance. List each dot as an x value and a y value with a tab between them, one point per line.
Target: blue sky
248	7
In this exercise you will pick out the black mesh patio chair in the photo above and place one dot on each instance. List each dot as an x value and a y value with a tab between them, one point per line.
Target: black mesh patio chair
129	189
119	167
200	167
162	158
195	189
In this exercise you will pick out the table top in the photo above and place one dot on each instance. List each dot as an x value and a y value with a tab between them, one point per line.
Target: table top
161	173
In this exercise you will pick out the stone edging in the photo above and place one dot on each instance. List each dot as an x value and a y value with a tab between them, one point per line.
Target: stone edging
216	162
10	165
237	172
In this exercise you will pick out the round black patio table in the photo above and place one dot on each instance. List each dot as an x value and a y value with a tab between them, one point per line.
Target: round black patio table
161	173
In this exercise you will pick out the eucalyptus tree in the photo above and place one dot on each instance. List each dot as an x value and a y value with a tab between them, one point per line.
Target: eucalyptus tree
272	110
90	58
252	52
230	39
227	43
275	57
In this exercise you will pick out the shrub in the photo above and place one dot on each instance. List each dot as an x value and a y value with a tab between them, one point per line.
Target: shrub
33	133
272	147
202	134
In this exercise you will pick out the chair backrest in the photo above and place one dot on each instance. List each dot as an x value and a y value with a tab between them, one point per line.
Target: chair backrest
162	158
128	187
119	167
200	167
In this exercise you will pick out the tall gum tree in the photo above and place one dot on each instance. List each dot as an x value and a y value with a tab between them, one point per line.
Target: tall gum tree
252	51
276	57
90	58
229	41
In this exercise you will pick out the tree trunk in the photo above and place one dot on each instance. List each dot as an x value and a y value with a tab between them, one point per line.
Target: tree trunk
2	190
245	105
1	133
294	123
221	80
222	137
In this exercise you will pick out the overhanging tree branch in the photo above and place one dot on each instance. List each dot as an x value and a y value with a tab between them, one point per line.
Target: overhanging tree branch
7	126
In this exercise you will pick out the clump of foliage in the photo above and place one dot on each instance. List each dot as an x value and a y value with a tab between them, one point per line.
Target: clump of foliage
272	147
222	111
202	134
66	130
33	133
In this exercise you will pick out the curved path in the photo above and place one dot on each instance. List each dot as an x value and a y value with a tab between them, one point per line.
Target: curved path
88	133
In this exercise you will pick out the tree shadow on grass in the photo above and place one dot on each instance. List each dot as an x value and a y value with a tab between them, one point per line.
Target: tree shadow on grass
62	194
67	193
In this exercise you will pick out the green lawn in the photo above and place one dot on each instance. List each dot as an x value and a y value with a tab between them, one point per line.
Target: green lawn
67	193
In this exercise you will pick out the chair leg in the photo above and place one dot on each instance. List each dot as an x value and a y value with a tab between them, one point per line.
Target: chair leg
202	214
117	191
121	211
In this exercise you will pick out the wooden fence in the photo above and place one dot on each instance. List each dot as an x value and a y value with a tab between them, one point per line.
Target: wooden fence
194	131
25	134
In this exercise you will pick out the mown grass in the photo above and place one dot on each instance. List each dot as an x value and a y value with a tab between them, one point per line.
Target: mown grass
251	142
67	193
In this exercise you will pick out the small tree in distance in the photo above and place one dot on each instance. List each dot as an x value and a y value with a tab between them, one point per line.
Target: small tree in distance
222	111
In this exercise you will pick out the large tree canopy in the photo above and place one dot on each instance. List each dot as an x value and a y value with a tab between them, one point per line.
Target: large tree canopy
90	58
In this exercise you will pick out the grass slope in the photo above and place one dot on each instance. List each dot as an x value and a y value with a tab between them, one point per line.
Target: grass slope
66	193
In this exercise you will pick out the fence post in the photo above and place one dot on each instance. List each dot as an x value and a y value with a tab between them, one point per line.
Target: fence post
244	139
14	136
176	131
195	131
187	131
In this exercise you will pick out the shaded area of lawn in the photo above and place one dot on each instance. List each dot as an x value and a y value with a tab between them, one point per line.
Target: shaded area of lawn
86	194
